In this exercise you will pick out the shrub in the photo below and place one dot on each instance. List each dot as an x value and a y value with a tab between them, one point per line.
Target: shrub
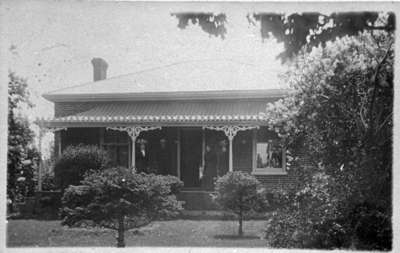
239	193
118	199
307	217
314	216
24	183
371	226
75	161
48	204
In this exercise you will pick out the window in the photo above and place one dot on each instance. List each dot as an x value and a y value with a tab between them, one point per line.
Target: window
269	154
117	144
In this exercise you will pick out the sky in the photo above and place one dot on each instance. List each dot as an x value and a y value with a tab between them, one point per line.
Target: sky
51	43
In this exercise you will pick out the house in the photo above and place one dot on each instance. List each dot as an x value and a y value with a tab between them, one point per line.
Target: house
195	120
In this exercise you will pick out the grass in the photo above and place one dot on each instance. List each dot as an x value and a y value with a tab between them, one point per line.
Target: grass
179	233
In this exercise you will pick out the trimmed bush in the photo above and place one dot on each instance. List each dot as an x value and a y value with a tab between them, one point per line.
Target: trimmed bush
75	161
118	199
239	193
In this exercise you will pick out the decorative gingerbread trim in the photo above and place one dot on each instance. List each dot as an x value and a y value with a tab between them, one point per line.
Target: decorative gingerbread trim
230	130
134	131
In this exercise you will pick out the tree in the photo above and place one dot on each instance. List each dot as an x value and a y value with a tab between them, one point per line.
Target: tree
22	155
213	24
240	193
341	112
298	29
75	161
120	200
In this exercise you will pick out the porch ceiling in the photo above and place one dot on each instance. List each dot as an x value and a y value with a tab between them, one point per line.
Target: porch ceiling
165	112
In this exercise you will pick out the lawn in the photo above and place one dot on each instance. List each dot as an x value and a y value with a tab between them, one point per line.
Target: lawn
188	233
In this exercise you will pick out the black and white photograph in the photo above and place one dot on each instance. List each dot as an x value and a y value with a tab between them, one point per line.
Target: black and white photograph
198	125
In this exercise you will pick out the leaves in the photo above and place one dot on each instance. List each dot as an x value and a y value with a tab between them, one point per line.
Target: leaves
327	121
75	161
304	215
238	192
297	30
105	196
213	24
20	140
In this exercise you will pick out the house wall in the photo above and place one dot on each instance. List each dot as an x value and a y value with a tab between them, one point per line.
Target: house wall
62	109
75	136
195	200
276	181
242	152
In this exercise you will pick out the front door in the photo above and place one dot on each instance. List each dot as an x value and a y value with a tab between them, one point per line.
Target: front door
191	141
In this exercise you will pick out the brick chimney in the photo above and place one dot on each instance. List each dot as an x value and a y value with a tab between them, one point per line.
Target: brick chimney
99	69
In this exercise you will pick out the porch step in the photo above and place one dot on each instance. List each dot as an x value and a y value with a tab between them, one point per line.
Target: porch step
197	200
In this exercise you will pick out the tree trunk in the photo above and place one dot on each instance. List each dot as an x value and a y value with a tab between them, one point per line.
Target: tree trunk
121	232
240	232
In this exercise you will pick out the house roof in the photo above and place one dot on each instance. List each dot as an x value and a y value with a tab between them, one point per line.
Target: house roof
166	113
201	79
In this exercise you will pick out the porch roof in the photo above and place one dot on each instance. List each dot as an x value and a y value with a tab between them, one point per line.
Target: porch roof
165	113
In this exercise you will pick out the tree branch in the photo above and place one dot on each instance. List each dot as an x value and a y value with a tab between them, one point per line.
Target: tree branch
362	119
384	122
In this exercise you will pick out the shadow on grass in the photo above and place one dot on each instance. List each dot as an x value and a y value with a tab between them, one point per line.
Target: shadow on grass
236	237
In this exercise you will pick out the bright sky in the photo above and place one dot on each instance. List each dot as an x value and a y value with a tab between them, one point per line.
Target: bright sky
51	43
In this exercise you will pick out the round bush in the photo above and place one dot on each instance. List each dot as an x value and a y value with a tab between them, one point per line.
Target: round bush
119	199
239	193
75	161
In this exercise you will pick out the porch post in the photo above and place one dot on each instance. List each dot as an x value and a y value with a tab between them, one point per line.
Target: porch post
178	154
203	147
230	138
133	132
133	149
230	132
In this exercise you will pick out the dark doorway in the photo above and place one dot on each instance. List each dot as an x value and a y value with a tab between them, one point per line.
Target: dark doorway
191	141
161	147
